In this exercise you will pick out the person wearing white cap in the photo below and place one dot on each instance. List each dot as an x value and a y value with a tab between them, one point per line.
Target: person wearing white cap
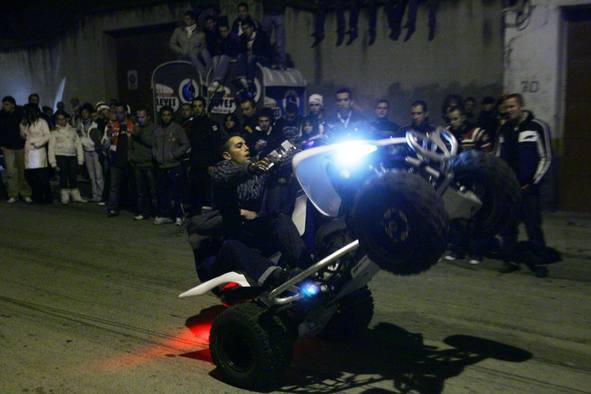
313	124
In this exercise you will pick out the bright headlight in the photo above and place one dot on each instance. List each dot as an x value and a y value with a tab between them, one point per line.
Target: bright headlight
351	153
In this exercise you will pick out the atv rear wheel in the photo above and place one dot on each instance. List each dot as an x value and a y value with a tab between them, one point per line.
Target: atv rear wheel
352	317
401	222
494	182
250	345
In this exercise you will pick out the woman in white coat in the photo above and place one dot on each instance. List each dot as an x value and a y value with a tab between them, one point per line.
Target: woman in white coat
35	131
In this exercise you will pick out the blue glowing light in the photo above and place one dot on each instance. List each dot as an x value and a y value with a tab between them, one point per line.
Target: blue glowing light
309	289
351	153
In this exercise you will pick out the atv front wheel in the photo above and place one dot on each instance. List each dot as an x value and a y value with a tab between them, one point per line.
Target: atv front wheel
250	345
353	315
401	222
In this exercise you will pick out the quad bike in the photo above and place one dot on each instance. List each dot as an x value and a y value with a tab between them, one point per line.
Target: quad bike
387	204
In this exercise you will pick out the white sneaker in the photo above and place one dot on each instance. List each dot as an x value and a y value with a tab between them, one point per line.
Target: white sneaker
474	260
162	220
451	257
101	203
244	83
139	217
28	200
179	221
11	200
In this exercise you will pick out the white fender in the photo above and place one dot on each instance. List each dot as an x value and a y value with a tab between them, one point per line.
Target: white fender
215	282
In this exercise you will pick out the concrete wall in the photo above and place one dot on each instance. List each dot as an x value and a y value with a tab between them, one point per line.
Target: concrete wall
84	57
465	57
534	57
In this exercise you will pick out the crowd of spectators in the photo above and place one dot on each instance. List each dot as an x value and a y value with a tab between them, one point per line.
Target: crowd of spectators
209	42
156	168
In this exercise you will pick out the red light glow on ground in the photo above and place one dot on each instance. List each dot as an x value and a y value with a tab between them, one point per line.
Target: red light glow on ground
192	342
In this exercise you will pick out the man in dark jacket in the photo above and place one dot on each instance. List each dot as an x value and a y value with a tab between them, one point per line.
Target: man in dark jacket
525	144
382	127
206	140
254	48
12	145
242	17
346	120
251	237
268	134
140	158
488	117
226	48
420	119
249	118
117	135
170	146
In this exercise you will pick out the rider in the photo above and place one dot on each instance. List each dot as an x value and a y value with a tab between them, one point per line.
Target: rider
249	236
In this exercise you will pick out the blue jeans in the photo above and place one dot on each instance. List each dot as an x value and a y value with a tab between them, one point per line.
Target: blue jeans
247	65
221	65
170	192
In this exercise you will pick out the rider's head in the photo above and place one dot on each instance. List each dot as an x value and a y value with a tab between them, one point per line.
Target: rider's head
235	149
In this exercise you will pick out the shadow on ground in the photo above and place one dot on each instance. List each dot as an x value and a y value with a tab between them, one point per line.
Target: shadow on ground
387	355
390	355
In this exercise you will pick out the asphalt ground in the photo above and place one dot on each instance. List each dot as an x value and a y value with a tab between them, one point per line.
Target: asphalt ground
88	304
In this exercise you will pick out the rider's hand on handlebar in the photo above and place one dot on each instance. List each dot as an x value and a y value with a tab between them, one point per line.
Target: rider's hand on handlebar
260	166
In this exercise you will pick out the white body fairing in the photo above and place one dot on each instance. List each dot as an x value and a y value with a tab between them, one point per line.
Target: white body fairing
229	277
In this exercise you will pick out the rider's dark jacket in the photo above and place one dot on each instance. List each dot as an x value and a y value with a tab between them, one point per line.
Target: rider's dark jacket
235	188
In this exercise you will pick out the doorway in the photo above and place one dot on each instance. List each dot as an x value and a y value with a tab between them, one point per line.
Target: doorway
575	170
139	51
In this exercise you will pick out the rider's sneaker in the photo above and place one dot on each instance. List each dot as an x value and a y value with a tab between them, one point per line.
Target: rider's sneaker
11	200
275	278
139	217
